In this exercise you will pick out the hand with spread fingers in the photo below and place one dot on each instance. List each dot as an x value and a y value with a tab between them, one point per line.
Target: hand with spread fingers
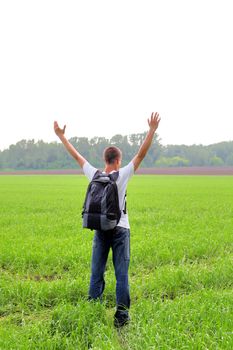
154	120
59	132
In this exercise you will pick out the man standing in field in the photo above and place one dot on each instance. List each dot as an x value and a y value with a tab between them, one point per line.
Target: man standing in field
117	239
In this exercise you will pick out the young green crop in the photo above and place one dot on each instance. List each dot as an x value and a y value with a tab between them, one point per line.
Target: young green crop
180	271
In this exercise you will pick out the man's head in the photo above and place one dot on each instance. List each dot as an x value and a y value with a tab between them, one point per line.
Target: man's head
112	156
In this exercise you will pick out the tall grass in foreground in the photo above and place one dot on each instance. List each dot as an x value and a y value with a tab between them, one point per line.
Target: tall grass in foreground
181	270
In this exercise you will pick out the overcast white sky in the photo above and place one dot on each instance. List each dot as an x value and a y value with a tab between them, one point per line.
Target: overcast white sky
103	66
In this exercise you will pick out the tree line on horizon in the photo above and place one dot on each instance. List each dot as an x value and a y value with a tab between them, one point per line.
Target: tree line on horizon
31	154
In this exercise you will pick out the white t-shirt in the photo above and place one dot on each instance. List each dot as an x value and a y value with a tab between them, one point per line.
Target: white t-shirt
125	174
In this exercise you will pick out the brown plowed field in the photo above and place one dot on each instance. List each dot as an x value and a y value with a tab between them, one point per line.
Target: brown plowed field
151	171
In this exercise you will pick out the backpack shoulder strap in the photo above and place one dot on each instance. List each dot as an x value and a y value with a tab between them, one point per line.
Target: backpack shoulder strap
97	174
114	176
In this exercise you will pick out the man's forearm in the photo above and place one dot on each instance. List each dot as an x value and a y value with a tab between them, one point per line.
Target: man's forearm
73	152
146	144
143	149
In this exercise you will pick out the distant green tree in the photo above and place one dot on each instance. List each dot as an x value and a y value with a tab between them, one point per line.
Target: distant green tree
229	159
28	154
216	161
221	150
171	162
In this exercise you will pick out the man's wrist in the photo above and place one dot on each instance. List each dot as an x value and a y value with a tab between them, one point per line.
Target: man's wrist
152	131
62	138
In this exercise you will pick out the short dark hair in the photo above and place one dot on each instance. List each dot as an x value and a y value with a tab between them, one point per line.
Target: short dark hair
111	154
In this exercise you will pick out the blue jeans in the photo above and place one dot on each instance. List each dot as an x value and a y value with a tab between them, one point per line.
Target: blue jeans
119	240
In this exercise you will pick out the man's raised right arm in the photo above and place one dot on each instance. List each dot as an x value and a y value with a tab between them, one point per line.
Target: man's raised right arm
70	148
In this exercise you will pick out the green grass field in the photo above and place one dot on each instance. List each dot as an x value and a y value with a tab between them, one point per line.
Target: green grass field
181	270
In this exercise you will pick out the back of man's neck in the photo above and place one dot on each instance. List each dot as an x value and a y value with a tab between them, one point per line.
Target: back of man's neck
109	168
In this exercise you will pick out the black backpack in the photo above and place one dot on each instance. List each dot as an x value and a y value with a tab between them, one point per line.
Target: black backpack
101	207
